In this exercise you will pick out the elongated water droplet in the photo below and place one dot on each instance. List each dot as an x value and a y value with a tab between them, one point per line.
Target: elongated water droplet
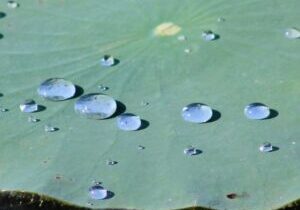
266	147
107	61
96	106
111	162
32	119
181	38
12	4
209	36
191	151
257	111
49	128
292	33
97	192
197	113
128	122
56	89
28	106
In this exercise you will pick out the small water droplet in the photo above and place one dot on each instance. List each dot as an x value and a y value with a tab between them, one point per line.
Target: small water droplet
191	151
181	38
103	88
97	192
28	106
95	106
140	147
111	162
12	4
49	128
266	147
257	111
128	122
197	113
293	142
221	19
56	89
292	33
3	109
32	119
187	50
209	36
144	103
107	61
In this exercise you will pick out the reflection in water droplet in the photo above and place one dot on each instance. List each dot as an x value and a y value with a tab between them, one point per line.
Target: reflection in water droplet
266	147
96	106
191	151
28	106
49	128
111	162
197	113
181	38
257	111
107	61
12	4
128	122
56	89
292	33
97	192
209	36
32	119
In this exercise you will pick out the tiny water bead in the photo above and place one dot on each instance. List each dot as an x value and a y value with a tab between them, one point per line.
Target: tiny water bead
187	50
140	147
12	4
209	36
107	61
221	19
28	106
103	87
128	122
257	111
266	147
49	128
3	109
111	162
144	103
56	89
292	33
190	151
96	106
181	38
197	113
32	119
97	192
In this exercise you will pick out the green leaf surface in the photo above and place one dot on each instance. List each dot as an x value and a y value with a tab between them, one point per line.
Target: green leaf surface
252	61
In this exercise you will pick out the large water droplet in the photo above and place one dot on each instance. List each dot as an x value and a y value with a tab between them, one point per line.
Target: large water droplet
97	192
28	106
128	122
56	89
191	151
107	61
266	147
197	113
209	36
292	33
257	111
96	106
12	4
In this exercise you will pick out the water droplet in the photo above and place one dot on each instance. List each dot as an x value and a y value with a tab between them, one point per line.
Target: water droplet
3	109
209	36
128	122
181	38
187	50
111	162
221	19
56	89
144	103
140	147
191	151
292	33
257	111
107	61
103	88
231	195
197	113
12	4
28	106
32	119
266	147
49	128
97	192
96	106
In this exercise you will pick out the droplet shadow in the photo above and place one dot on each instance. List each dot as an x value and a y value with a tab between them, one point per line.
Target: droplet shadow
41	108
273	114
216	115
121	108
1	36
274	149
144	124
2	15
110	195
116	62
198	152
217	37
1	95
78	91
